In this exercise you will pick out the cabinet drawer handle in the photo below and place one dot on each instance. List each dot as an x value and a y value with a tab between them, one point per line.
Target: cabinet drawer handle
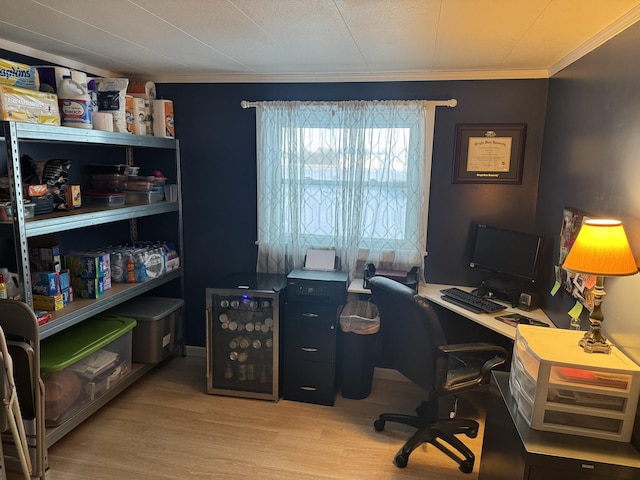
310	315
308	389
308	349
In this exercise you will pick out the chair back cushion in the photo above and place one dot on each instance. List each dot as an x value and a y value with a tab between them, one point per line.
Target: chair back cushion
410	330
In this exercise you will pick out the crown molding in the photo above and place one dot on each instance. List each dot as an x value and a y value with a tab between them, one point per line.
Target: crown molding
352	77
604	36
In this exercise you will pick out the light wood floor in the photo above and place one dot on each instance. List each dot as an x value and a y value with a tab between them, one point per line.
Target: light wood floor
166	427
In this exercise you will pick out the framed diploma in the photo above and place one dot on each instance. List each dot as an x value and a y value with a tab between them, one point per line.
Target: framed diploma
489	153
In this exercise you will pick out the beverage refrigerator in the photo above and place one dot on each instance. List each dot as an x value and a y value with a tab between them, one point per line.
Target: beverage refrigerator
243	336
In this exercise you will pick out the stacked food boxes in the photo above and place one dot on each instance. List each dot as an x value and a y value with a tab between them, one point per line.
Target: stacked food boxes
90	273
50	284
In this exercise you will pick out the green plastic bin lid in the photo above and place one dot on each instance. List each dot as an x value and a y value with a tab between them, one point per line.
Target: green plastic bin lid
79	341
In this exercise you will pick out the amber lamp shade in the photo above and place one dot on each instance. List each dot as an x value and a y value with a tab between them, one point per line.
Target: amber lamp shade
601	249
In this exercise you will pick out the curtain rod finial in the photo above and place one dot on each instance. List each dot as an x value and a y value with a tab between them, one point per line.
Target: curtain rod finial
244	104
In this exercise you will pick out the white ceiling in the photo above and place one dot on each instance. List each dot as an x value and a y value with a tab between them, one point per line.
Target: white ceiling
312	40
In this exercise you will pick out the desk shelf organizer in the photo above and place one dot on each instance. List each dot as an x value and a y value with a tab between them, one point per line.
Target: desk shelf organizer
560	388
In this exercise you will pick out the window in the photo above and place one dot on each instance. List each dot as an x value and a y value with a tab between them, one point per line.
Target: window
351	176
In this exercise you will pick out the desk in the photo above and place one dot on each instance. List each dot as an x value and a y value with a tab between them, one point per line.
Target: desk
513	451
431	291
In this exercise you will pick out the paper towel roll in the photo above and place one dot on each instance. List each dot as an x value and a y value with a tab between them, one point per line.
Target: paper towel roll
130	119
102	121
139	116
51	77
163	125
81	78
142	89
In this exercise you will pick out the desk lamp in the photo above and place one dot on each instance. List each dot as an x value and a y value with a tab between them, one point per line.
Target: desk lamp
601	249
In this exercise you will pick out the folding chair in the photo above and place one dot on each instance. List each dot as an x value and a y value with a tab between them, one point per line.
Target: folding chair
11	408
20	327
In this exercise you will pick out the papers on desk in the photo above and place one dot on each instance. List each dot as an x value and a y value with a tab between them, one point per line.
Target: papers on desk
515	319
320	259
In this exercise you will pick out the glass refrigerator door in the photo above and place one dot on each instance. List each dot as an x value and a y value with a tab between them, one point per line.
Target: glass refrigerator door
242	343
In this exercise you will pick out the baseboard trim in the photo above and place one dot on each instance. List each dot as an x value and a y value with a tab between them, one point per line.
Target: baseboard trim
389	374
192	351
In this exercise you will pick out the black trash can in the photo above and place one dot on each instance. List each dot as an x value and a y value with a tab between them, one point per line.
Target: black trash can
360	323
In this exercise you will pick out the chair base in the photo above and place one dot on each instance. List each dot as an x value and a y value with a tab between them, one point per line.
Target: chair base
438	432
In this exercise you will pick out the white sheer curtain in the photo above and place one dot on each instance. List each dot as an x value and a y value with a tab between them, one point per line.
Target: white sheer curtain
352	176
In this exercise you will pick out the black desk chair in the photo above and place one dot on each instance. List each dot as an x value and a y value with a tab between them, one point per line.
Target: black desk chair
414	343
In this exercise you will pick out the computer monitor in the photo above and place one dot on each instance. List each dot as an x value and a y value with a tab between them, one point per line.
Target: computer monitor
511	256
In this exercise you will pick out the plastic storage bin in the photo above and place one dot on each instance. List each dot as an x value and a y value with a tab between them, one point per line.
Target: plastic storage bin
83	362
108	182
155	335
103	199
360	323
560	388
143	198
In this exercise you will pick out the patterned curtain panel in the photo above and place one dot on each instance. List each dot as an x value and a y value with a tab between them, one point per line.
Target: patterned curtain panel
352	176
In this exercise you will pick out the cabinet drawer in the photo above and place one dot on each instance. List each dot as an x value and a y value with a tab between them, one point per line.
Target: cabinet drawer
310	312
310	341
310	382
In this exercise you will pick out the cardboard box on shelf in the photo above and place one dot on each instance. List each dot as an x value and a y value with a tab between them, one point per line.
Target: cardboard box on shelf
85	265
49	283
50	303
87	287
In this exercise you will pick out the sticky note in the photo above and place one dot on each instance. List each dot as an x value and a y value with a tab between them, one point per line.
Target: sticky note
556	287
576	310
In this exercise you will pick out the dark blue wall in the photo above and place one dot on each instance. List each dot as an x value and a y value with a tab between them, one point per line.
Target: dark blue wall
217	143
591	148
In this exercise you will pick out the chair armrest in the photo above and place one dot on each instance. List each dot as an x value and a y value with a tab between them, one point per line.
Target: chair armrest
473	365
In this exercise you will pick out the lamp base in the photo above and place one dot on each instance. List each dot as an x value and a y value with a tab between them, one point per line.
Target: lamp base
592	345
593	341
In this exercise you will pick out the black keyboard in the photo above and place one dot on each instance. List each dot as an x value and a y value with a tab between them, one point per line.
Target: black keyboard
470	301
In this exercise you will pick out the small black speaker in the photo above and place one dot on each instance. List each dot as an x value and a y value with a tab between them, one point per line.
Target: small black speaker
529	301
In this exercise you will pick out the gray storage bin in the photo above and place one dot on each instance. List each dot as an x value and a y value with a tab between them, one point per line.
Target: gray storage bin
158	329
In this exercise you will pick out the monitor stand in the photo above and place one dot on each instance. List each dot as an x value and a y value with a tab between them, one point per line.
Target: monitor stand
501	289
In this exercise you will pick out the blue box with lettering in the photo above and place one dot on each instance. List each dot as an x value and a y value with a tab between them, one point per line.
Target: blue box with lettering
49	283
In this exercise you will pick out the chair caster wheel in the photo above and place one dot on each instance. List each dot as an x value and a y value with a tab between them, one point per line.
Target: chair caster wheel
472	433
466	466
401	461
378	425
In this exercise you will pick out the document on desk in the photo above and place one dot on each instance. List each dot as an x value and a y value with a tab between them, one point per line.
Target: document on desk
515	319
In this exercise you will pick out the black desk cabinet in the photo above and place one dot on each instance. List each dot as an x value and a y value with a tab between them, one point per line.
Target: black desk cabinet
512	451
310	352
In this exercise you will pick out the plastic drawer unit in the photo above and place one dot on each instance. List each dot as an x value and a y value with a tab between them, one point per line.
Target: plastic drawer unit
83	362
560	388
158	326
